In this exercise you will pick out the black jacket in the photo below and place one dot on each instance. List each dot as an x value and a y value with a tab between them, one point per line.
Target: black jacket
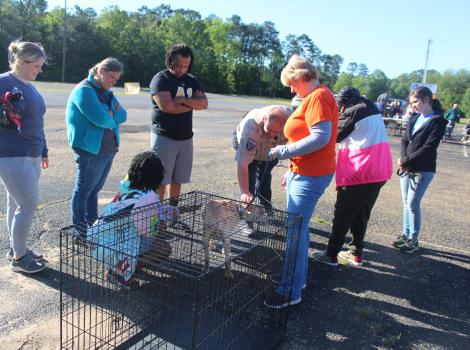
419	151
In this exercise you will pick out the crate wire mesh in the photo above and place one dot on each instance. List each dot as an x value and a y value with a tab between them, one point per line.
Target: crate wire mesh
170	300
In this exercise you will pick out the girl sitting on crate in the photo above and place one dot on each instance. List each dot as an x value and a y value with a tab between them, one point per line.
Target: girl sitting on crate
130	228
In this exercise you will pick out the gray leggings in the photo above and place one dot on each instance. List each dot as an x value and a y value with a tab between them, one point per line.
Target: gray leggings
20	176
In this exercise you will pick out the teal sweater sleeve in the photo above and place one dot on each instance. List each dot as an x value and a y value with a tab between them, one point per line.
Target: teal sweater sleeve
91	108
87	119
120	114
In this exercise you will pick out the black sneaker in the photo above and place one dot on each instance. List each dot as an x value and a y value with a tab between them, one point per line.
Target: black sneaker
27	264
411	246
400	241
277	301
34	255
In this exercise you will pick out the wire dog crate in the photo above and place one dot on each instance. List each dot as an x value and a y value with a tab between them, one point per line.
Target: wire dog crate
167	295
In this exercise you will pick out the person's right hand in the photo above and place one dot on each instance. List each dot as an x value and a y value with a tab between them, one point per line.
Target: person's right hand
246	197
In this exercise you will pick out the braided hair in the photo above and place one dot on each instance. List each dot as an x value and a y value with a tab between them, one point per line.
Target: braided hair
178	49
146	172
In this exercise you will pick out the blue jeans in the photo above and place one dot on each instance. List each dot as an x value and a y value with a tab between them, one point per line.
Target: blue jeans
303	193
92	171
413	186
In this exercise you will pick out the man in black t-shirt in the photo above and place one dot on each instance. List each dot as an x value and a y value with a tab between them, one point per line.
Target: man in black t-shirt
175	94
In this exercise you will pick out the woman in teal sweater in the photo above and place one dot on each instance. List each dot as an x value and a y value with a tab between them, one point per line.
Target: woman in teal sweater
93	116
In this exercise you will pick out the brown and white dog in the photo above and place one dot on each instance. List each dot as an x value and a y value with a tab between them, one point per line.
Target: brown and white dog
221	219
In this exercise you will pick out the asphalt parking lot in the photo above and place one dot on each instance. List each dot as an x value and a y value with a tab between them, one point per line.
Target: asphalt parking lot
418	301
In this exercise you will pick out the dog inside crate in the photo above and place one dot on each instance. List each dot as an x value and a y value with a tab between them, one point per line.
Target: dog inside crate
222	219
179	302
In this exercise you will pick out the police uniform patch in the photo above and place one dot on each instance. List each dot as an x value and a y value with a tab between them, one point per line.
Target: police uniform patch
250	144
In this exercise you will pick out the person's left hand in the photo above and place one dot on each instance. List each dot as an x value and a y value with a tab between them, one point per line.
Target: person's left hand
399	162
45	163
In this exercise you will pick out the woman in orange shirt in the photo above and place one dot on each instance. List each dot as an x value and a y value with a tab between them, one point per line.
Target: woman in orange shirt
311	131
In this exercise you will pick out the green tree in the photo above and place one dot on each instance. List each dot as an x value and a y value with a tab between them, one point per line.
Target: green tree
372	85
377	84
400	86
352	68
53	24
330	68
363	70
87	43
452	86
230	56
304	46
465	103
344	79
20	19
226	51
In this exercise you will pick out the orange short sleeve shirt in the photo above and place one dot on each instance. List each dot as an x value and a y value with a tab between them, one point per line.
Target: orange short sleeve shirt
318	106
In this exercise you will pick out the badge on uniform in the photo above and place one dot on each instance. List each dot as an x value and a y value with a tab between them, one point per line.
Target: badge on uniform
250	144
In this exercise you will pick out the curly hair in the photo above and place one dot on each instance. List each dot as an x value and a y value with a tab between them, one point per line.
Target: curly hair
146	172
178	49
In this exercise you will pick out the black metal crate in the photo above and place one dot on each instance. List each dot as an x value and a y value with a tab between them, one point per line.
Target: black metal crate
172	301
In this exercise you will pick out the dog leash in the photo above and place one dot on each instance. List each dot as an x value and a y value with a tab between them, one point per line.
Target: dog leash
414	177
257	188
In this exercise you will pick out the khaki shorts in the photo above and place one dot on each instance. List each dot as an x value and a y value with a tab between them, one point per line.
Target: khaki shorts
176	156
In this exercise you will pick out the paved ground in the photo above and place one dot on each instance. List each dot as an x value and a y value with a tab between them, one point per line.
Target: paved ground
402	301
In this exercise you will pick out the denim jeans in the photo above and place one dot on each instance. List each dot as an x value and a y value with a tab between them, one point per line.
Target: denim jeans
450	128
92	171
303	193
413	186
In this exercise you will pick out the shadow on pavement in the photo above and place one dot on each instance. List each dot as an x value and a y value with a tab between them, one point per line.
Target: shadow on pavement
395	300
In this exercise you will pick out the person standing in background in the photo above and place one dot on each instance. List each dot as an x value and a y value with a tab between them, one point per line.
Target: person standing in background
452	116
93	116
175	94
417	162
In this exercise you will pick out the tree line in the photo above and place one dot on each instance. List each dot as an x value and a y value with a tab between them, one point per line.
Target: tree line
230	56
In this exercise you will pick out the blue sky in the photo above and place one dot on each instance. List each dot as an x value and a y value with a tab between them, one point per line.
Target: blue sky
387	35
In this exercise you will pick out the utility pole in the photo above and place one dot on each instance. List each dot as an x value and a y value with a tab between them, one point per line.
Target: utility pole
64	41
427	61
